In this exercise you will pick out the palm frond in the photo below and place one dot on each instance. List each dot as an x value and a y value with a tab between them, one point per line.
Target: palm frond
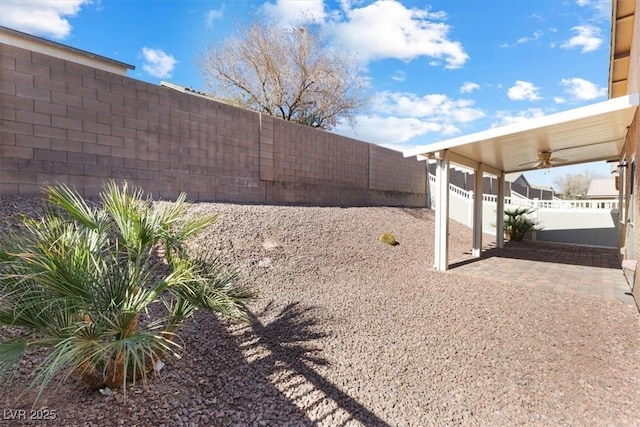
216	291
80	277
179	310
74	205
10	355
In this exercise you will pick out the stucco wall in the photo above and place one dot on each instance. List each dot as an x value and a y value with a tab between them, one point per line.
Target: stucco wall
629	232
63	122
630	237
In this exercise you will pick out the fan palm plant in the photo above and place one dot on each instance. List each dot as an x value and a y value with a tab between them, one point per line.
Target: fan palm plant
84	280
517	223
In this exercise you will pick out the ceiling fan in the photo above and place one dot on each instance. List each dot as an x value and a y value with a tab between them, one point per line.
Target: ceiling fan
544	161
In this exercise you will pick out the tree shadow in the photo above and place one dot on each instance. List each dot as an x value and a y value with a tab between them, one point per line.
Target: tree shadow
212	384
289	340
260	373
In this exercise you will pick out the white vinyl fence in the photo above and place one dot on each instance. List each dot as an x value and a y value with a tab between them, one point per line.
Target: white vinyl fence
581	222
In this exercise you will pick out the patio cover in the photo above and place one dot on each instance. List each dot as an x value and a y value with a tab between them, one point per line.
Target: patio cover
587	134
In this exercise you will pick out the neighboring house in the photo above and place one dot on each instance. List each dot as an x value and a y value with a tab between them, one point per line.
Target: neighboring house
515	182
520	185
603	188
32	43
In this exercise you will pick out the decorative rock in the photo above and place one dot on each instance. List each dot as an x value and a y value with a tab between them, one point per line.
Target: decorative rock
264	263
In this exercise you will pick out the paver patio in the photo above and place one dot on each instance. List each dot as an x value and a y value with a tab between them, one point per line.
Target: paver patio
586	271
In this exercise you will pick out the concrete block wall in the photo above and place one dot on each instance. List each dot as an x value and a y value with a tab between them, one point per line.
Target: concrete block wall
313	165
389	171
62	122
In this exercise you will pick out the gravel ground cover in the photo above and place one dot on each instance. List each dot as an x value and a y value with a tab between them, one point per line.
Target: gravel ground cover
349	331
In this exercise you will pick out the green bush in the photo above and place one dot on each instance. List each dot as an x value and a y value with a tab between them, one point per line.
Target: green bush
81	279
517	223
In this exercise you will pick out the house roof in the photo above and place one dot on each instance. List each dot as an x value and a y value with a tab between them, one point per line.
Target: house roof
38	44
602	187
185	89
543	187
586	134
513	177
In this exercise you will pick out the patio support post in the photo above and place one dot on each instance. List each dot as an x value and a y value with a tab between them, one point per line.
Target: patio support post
441	252
500	212
478	197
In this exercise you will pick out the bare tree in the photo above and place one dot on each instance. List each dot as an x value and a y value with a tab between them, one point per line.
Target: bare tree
285	73
574	186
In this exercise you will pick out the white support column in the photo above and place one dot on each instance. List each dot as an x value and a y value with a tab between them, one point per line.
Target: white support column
441	248
500	212
478	196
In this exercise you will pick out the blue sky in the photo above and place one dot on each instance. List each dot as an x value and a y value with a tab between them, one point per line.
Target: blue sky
435	69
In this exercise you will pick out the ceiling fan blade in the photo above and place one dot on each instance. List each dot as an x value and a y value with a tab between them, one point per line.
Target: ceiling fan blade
532	164
542	164
544	161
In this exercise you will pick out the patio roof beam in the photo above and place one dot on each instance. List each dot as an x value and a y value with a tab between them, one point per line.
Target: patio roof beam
471	164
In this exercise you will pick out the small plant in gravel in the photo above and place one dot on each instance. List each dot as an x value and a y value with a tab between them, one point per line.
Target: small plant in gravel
388	238
105	287
517	223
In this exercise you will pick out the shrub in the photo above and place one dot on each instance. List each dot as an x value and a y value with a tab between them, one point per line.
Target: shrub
517	223
388	238
82	278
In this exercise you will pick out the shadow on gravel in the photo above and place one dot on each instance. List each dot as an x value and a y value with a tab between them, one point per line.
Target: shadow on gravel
263	374
289	341
212	385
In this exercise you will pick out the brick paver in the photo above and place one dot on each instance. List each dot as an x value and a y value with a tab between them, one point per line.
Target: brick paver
586	271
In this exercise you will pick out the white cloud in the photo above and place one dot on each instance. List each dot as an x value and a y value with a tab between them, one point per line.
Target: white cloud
602	8
507	118
525	39
523	91
434	107
535	36
388	29
40	17
158	63
582	89
213	15
399	76
393	131
469	87
379	30
293	12
399	117
588	38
